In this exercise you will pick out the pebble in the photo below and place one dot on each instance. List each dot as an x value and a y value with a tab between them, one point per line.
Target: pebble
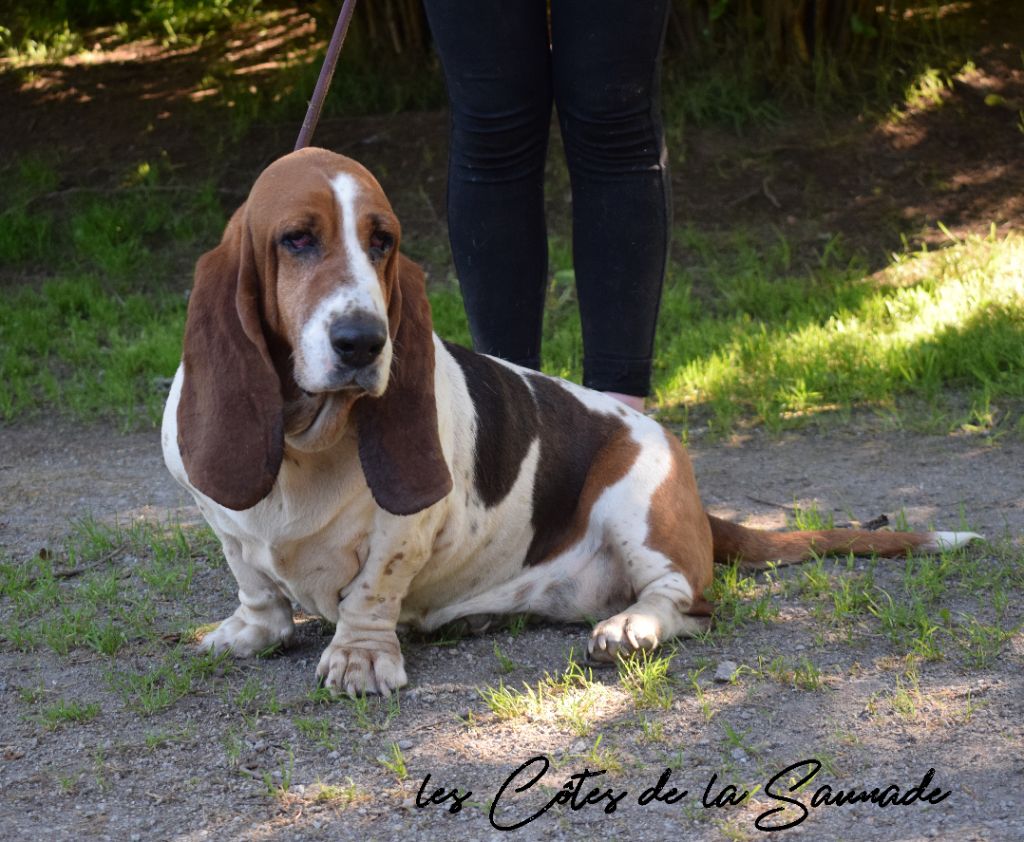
725	671
405	745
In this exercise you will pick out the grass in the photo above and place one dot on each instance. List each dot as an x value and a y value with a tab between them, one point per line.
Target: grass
646	678
48	32
81	599
798	673
568	698
783	346
766	342
394	762
65	712
740	599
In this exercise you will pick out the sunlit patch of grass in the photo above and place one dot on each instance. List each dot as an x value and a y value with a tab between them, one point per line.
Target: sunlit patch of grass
785	345
800	673
739	599
645	677
568	697
809	518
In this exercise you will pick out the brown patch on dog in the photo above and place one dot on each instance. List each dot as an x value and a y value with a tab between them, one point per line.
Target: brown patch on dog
609	466
676	525
399	444
506	423
755	548
230	425
571	437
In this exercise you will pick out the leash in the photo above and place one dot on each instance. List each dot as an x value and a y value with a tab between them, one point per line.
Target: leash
326	74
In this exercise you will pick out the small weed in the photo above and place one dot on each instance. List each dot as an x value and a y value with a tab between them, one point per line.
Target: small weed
568	697
909	625
739	600
373	713
394	762
318	731
738	739
603	758
233	744
159	688
31	695
645	677
905	697
703	701
63	713
652	731
810	518
278	783
159	739
505	663
517	623
800	674
340	796
982	643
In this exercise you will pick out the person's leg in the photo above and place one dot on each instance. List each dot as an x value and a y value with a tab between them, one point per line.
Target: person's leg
606	67
497	68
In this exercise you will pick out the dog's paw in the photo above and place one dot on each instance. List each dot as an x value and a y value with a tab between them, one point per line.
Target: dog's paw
623	634
244	638
373	666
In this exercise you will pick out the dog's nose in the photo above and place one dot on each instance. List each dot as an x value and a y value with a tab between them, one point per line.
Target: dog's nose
357	342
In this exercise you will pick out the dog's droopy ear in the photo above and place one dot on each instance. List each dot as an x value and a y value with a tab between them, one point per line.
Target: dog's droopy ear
230	424
399	445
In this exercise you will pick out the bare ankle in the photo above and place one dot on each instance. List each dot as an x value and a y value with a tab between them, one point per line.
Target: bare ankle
633	401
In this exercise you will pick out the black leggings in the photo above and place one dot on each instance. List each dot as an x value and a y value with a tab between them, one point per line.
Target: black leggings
601	68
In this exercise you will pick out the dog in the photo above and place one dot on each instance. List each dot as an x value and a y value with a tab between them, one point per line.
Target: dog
354	464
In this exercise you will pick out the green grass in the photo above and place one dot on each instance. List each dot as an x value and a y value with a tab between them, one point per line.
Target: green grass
749	332
82	599
394	762
781	345
799	673
156	688
647	679
47	32
63	712
568	698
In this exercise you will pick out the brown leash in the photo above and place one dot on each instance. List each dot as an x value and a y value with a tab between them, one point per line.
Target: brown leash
326	74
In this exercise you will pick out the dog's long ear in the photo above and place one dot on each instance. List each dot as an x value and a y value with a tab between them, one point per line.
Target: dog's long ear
399	446
230	425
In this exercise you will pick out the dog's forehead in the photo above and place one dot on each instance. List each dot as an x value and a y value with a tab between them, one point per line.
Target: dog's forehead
305	182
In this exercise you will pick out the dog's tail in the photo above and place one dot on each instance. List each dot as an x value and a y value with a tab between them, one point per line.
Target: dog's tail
757	548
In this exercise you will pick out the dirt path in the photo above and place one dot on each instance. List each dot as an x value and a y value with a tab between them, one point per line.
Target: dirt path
246	753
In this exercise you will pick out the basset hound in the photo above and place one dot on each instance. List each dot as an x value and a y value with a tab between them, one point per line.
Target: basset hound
354	464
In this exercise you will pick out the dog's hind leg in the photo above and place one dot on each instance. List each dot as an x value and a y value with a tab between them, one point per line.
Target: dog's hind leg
666	561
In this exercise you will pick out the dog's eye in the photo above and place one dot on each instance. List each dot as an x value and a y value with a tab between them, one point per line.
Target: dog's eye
298	242
381	242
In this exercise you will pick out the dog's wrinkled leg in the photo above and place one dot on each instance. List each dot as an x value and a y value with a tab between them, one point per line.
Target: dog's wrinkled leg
263	618
365	656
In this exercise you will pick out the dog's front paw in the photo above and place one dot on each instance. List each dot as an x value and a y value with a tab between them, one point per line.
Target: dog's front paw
623	634
245	637
373	665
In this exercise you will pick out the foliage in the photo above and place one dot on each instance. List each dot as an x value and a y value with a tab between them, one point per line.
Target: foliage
725	60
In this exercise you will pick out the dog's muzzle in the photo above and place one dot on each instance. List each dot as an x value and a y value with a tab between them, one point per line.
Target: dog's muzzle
358	342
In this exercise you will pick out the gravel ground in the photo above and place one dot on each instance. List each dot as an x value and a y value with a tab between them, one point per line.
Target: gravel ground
247	752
